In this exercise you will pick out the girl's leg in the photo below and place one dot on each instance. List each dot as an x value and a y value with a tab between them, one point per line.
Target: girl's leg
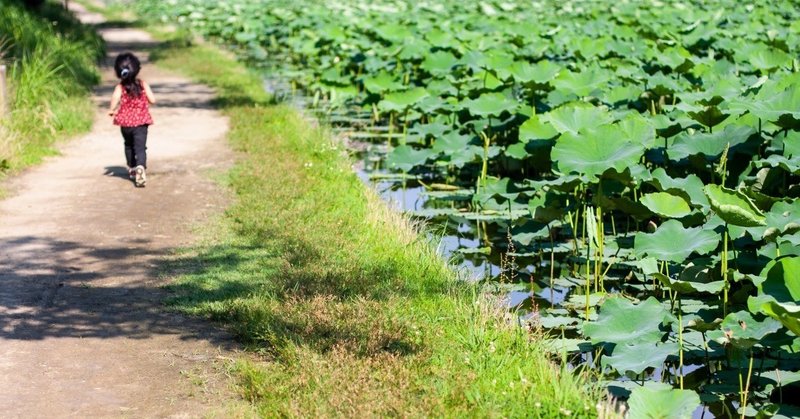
130	156
139	135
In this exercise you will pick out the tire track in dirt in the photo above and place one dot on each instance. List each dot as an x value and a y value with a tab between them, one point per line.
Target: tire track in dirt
83	331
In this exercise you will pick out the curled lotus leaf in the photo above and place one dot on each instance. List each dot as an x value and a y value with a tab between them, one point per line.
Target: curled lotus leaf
734	207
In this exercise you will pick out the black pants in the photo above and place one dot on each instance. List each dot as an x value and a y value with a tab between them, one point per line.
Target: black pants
135	145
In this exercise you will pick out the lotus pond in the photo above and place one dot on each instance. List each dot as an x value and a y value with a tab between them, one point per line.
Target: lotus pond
626	171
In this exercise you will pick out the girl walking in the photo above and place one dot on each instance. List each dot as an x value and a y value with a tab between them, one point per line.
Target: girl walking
130	104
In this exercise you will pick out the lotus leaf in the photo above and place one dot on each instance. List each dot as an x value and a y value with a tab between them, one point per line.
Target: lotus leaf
406	157
782	108
541	72
742	330
381	83
674	243
596	152
711	145
490	104
576	118
535	128
636	358
666	204
661	401
400	101
622	322
687	287
734	207
439	62
581	84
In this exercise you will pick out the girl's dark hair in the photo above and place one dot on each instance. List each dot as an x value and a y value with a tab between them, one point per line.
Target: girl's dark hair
127	68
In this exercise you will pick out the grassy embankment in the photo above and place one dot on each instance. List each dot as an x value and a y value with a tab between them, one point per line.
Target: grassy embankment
51	60
353	312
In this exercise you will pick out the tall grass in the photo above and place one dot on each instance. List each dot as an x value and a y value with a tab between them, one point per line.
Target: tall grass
52	66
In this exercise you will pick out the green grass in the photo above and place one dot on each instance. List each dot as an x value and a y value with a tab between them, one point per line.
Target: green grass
51	59
353	313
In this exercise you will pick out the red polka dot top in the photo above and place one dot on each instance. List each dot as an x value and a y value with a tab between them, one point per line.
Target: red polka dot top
133	111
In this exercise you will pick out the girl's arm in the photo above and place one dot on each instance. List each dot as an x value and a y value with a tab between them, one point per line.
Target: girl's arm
115	97
149	93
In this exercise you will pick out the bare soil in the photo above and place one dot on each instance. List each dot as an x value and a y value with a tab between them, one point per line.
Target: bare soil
84	331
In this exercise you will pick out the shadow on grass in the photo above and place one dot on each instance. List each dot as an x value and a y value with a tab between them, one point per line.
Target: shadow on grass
275	299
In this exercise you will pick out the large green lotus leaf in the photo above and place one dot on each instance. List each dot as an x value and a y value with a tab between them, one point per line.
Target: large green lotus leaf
790	165
548	206
637	358
734	207
490	104
541	72
406	158
783	280
393	31
763	57
690	287
661	401
439	63
595	152
709	116
638	130
673	243
381	83
583	83
577	117
782	109
711	145
536	129
400	101
690	187
496	187
743	331
666	204
781	219
787	314
622	322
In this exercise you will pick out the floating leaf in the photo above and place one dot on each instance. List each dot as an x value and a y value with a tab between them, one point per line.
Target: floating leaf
662	401
406	157
622	322
637	358
734	207
673	243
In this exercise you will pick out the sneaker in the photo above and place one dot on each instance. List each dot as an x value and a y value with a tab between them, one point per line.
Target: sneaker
131	173
141	177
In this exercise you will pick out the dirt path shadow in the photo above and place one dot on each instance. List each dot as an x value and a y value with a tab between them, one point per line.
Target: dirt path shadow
83	328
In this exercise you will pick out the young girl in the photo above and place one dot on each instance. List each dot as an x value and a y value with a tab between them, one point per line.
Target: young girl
130	109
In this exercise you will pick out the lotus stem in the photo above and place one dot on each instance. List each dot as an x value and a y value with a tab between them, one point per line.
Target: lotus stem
680	342
725	271
747	385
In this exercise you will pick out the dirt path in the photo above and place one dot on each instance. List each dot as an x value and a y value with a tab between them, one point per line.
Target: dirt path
83	331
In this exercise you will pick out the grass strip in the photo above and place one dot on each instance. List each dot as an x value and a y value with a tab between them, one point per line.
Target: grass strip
51	59
354	314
